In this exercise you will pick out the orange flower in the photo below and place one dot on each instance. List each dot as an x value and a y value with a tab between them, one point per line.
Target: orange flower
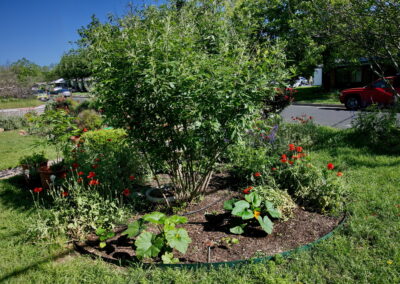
256	214
91	175
292	147
257	174
38	189
339	174
94	182
330	166
84	130
247	190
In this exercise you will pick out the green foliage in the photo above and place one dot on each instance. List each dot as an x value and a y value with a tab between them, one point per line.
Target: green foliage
151	245
73	209
280	198
108	153
104	235
12	122
89	119
380	128
184	84
316	188
252	207
33	160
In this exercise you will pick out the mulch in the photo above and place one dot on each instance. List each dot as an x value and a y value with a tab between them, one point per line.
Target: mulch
210	226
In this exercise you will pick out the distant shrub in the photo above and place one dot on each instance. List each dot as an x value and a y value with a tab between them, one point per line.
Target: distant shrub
12	122
89	119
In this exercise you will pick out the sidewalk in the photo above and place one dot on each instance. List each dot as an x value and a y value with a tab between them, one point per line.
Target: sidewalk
21	111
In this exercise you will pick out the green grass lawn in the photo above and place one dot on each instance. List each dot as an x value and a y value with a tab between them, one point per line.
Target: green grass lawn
365	250
19	103
13	146
85	94
316	95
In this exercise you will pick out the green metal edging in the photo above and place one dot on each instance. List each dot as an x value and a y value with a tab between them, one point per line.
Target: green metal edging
248	261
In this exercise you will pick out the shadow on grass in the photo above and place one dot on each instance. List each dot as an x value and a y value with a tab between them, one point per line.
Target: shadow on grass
15	194
35	265
335	143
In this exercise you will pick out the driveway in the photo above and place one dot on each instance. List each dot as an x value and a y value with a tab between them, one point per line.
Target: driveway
21	111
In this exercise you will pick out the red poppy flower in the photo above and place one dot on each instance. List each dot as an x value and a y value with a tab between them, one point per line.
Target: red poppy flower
247	190
75	165
91	175
295	157
257	174
97	159
63	175
109	140
299	149
339	174
273	169
64	193
132	177
95	166
283	157
94	182
81	173
292	147
284	160
291	162
286	97
126	192
79	180
37	189
330	166
84	130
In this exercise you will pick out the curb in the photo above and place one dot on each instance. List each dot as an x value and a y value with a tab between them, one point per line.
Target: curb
318	105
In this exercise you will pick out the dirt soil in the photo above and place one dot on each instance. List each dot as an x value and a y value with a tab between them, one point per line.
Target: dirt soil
210	226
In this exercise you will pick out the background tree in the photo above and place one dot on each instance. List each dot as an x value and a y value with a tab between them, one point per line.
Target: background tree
74	65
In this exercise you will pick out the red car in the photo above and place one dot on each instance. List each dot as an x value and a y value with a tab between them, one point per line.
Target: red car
378	92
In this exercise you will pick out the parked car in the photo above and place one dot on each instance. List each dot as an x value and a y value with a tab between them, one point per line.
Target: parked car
378	92
301	81
63	92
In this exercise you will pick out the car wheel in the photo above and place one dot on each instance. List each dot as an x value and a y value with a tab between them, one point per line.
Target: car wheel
353	103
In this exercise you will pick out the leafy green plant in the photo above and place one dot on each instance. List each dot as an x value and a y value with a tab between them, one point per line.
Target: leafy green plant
316	188
33	160
252	208
381	128
88	119
12	122
107	153
152	245
189	92
104	235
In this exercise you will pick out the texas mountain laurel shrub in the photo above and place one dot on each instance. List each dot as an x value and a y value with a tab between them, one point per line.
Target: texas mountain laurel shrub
184	83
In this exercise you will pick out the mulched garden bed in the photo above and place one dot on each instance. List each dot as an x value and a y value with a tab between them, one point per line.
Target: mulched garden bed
303	228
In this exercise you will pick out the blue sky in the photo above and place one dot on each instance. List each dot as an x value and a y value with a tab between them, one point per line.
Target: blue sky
40	30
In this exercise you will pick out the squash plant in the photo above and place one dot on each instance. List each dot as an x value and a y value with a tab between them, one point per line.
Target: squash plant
252	207
152	245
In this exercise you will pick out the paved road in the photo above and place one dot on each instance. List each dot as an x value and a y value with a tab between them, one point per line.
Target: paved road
335	116
21	111
38	109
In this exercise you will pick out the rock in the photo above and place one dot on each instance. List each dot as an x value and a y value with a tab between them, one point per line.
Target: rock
23	133
1	130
